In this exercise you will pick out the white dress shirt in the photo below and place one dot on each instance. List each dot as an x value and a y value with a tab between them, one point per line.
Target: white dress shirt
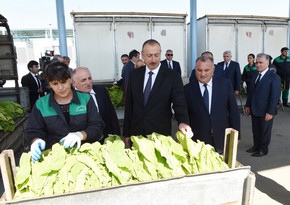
209	88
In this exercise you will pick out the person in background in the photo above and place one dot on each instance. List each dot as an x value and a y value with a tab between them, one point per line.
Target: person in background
139	63
218	72
64	115
282	64
124	59
57	58
32	82
263	97
66	60
169	63
130	66
82	81
208	120
271	66
248	71
231	71
152	89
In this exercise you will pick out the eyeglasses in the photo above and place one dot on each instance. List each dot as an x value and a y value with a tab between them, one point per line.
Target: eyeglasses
169	54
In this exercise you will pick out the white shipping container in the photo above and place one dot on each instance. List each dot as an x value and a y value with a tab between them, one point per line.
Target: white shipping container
101	38
241	35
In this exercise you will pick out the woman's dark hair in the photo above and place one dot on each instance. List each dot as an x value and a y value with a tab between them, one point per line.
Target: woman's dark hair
251	54
57	71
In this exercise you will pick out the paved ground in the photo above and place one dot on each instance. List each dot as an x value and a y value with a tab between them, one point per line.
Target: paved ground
272	171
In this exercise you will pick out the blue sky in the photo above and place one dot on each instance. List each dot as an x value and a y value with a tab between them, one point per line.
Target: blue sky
29	14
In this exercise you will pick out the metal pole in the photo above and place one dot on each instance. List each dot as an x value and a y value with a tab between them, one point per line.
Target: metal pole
61	27
193	38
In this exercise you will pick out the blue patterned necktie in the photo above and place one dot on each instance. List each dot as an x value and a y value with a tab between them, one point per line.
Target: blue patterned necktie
148	87
206	96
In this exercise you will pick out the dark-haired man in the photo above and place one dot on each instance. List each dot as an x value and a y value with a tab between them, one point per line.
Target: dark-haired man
151	91
282	64
130	66
32	82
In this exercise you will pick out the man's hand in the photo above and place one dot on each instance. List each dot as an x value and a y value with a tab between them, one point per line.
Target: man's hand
185	129
247	110
268	117
36	148
71	139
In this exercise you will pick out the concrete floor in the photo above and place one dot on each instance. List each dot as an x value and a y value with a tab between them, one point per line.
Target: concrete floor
271	171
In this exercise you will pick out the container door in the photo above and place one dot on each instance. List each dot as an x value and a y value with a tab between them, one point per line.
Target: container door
171	36
221	37
275	38
130	34
250	40
95	46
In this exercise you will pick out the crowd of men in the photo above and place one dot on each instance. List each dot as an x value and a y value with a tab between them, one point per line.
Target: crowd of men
203	108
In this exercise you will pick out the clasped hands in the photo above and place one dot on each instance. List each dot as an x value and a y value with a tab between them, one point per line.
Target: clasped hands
68	141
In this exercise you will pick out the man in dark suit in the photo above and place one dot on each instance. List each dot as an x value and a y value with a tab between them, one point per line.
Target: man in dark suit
218	71
32	82
169	63
209	119
130	66
232	71
152	89
263	97
82	81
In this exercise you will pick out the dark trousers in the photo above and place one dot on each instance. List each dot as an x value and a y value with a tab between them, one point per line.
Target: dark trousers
261	132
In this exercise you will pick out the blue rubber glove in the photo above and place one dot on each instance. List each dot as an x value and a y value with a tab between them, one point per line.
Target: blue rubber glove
36	148
71	139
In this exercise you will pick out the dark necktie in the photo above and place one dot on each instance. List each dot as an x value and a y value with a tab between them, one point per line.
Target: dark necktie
148	87
206	96
226	66
258	80
37	81
169	65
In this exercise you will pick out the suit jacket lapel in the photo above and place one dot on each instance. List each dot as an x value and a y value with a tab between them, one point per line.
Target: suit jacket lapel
263	79
213	93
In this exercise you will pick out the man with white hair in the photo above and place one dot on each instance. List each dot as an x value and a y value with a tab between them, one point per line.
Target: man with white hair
82	81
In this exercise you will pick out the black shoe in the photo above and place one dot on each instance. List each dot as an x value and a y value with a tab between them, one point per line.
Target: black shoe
259	154
251	150
286	105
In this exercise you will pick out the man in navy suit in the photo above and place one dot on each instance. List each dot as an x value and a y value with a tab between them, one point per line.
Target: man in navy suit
152	90
169	63
130	66
263	97
232	71
82	81
210	117
32	82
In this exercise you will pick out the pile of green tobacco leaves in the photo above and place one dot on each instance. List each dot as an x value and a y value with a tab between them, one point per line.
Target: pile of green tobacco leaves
116	94
96	166
9	112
